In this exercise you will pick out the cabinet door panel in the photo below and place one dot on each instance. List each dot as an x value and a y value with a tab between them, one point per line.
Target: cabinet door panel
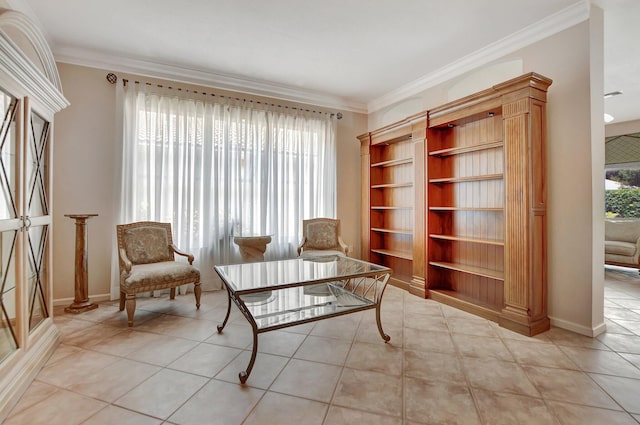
37	205
9	225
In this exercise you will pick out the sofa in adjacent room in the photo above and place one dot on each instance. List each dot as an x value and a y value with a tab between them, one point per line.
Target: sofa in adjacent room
622	242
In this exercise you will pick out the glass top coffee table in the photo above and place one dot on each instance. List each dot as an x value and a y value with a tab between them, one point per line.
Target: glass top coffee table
277	294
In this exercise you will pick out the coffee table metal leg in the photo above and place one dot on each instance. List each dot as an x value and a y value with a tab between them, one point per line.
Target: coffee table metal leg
379	322
221	327
244	375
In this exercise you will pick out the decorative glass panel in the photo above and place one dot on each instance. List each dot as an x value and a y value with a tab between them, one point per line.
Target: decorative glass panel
8	341
36	253
37	163
8	157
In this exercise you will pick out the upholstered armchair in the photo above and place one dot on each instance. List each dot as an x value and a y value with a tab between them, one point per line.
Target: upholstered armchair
147	263
321	236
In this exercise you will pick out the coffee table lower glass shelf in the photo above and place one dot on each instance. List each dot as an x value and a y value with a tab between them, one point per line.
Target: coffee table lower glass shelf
278	294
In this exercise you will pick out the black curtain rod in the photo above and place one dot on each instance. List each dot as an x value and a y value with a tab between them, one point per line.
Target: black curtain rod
112	78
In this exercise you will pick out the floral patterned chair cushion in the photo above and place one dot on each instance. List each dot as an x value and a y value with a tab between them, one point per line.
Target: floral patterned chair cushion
321	236
147	244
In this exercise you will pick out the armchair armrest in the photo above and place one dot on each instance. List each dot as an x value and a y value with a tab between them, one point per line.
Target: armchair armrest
125	260
343	246
175	249
302	242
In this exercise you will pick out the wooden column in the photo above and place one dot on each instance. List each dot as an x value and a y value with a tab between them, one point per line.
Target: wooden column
365	216
525	292
81	301
417	285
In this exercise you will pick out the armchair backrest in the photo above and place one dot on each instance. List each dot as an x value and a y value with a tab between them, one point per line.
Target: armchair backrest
146	242
321	233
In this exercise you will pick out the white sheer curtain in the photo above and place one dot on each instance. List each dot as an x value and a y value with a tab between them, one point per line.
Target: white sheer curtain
214	169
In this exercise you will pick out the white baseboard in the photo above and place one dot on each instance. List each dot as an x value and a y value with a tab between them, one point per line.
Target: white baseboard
582	330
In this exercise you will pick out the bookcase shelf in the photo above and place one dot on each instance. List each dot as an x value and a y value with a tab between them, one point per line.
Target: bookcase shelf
391	185
467	178
398	231
392	253
393	162
391	207
466	149
478	271
468	239
449	209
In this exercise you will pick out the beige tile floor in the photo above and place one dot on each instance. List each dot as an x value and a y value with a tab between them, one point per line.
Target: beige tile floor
442	366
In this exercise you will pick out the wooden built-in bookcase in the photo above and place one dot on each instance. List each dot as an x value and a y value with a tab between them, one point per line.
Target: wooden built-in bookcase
392	180
484	210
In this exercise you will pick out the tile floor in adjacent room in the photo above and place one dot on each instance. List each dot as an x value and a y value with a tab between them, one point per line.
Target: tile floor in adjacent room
442	366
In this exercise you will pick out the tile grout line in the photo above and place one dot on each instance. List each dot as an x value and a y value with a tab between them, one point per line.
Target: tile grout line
459	358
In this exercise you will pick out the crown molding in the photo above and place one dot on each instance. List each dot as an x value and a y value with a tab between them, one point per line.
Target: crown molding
215	80
40	80
553	24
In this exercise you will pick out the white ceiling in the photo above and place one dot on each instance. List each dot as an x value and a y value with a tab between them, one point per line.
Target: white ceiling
352	54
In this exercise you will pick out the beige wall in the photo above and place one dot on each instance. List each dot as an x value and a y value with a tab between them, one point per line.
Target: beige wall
348	178
83	175
575	163
85	172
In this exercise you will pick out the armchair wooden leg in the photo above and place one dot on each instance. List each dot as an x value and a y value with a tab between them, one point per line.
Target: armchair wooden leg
173	294
131	308
197	290
122	299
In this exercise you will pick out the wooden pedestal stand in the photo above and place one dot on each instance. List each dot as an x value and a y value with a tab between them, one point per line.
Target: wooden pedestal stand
81	301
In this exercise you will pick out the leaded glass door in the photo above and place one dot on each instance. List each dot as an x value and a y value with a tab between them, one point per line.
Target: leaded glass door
10	224
37	218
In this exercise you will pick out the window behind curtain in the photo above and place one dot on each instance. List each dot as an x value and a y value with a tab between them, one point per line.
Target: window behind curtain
218	169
